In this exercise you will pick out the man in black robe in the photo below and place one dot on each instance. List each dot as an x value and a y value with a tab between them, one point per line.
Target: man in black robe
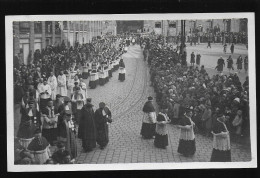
87	127
148	124
102	118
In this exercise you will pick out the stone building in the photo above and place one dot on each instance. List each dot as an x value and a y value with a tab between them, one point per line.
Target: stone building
29	36
172	28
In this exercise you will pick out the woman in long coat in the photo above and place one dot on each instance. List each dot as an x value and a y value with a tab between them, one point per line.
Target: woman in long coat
246	63
187	146
198	56
230	63
87	127
239	63
192	59
220	64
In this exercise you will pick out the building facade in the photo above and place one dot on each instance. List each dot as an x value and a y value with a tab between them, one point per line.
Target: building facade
29	36
129	26
171	28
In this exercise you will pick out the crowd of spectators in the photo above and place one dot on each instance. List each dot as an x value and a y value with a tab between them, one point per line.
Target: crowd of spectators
179	86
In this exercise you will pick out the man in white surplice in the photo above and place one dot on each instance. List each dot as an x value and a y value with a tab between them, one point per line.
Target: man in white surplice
83	87
62	88
52	81
44	90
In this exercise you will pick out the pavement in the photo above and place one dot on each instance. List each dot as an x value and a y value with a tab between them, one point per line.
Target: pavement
210	56
126	99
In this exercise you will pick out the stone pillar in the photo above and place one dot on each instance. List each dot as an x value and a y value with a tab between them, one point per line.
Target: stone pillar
43	35
89	31
61	32
53	33
31	41
68	33
100	28
16	38
97	28
74	33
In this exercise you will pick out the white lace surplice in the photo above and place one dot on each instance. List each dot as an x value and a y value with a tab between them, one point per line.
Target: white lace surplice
187	134
221	143
161	127
150	117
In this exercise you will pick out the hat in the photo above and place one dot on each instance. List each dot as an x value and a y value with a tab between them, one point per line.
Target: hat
237	99
150	98
102	104
89	100
66	99
60	145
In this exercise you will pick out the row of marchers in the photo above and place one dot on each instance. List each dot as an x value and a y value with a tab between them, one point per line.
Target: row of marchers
99	73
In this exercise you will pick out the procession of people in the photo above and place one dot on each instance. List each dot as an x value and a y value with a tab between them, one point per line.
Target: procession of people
54	99
57	110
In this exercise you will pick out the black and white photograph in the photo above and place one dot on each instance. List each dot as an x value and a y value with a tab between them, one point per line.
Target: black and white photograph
135	91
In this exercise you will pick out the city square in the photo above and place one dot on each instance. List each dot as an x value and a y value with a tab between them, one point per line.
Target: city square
126	98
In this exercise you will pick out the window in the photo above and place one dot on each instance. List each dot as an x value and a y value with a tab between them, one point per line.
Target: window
48	27
71	25
76	26
37	27
172	24
157	24
81	26
65	25
24	27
